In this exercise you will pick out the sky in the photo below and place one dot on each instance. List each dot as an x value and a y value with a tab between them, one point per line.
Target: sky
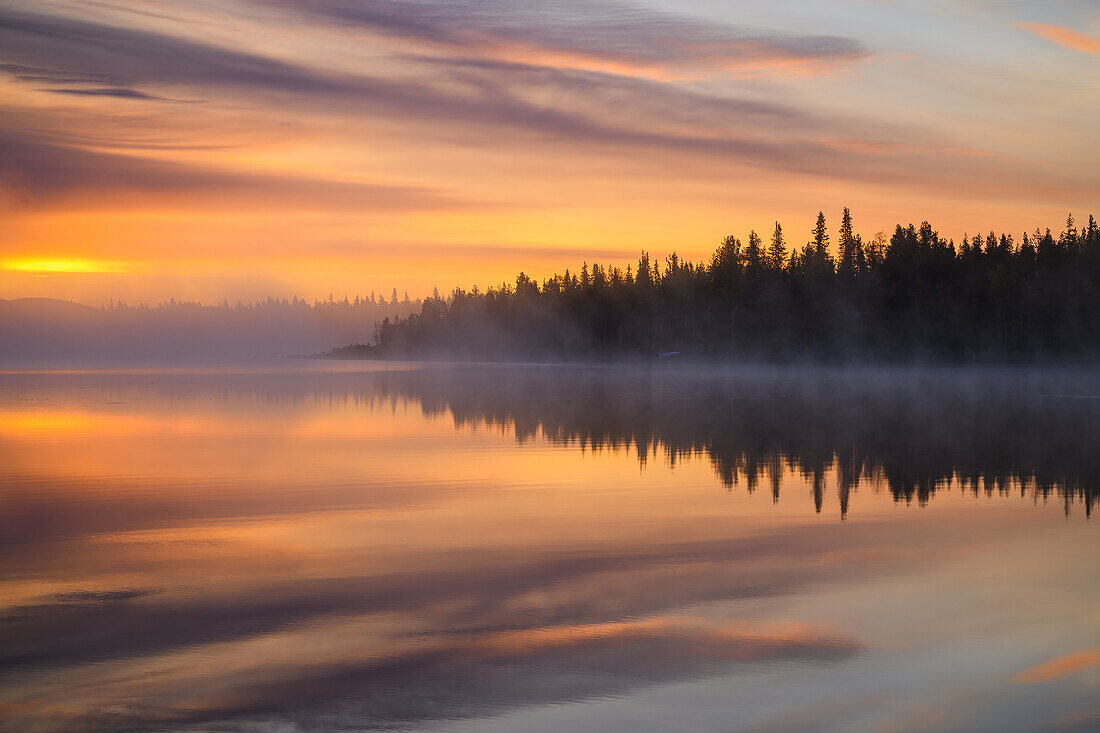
242	149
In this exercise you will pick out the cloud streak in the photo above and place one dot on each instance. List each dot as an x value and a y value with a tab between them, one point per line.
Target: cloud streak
1060	667
611	37
1064	37
486	100
36	173
72	49
117	92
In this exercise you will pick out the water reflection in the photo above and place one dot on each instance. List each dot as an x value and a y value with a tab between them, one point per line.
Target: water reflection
478	549
912	431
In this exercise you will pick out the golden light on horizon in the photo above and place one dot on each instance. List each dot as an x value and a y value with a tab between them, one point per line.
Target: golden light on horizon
323	159
63	265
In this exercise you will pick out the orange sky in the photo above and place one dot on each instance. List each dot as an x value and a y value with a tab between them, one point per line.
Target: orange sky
278	147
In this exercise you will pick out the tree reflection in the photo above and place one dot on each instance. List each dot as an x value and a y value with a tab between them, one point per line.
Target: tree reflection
912	433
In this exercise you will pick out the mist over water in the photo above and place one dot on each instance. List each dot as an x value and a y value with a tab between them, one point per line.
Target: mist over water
43	331
349	546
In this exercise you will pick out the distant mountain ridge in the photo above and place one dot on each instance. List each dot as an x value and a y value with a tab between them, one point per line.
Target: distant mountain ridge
35	306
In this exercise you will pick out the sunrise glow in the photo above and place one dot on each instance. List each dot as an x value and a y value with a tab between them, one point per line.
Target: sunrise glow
45	265
254	148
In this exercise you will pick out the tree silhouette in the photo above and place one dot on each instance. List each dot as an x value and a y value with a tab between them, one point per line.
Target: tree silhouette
777	250
849	265
912	296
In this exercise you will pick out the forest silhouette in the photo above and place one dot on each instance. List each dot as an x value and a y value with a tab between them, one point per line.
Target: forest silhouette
912	297
911	433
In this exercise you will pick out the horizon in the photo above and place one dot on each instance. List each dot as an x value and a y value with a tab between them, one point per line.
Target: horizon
405	297
273	147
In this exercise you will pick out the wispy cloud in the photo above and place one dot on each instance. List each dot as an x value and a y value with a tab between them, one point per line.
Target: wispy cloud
117	92
482	101
35	173
70	49
1064	37
524	98
1060	667
604	36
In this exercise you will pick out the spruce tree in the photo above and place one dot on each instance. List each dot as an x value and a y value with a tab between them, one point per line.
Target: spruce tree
754	254
821	238
846	243
777	250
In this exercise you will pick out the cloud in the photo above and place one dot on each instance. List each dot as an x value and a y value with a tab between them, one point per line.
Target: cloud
482	99
479	75
1064	37
475	91
474	94
612	37
35	172
49	47
43	74
117	92
1060	667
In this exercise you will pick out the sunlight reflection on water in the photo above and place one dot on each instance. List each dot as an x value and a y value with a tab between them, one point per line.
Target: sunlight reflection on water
474	548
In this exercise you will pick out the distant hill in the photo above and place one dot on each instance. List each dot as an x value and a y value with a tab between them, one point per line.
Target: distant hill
42	308
36	330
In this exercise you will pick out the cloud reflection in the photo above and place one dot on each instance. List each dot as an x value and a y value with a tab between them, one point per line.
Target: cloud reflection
319	549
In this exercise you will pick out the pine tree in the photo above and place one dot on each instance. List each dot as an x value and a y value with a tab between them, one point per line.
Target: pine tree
821	238
754	254
723	265
876	249
846	243
644	278
1069	236
777	250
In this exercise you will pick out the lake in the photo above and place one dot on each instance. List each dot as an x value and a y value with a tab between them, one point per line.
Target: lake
320	546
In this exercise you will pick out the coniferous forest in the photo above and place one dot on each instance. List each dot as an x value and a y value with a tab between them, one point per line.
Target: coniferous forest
914	296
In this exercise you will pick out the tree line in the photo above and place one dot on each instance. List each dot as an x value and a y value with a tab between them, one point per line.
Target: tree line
362	305
915	296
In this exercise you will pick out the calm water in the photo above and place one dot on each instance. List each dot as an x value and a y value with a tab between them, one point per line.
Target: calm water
341	547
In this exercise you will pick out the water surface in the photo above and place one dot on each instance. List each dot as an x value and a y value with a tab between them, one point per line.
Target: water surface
320	547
